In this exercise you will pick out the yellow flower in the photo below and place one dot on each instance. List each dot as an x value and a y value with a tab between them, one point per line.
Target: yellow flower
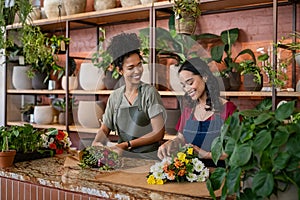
151	180
181	156
190	151
159	182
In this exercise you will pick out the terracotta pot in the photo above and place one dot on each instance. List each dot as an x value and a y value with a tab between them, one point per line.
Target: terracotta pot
104	5
89	6
129	3
186	24
51	8
7	158
20	79
74	6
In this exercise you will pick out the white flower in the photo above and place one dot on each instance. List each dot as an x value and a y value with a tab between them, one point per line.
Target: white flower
198	165
157	167
159	175
191	177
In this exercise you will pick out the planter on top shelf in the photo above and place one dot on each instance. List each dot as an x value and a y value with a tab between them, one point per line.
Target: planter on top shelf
104	5
51	8
74	6
128	3
250	84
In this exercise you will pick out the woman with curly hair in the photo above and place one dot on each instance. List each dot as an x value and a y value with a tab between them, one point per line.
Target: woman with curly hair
203	111
135	110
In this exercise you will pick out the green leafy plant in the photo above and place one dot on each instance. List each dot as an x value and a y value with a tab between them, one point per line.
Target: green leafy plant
40	52
277	77
250	67
27	108
190	7
23	138
228	38
60	104
262	146
101	58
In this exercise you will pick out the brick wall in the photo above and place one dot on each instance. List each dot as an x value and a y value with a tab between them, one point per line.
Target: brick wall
11	189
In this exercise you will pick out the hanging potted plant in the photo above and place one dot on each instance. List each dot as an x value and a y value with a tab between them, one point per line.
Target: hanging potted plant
186	14
262	154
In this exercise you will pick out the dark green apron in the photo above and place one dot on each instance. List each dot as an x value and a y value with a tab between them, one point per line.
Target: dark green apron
131	123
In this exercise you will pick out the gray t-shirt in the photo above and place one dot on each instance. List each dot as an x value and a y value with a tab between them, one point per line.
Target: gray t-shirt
151	104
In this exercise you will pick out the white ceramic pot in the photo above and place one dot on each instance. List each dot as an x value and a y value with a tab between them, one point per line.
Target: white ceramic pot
52	10
89	113
144	2
20	79
128	3
174	79
90	77
104	5
74	6
43	114
73	82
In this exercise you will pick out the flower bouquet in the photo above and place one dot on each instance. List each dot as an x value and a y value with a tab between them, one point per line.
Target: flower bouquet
185	166
100	157
57	140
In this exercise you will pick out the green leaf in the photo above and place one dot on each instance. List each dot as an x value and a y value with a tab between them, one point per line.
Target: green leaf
241	155
263	183
217	53
217	178
262	118
230	36
280	137
293	146
210	189
233	180
281	161
262	140
285	110
216	149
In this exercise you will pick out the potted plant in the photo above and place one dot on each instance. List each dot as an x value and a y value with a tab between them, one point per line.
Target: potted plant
232	68
73	79
262	153
61	106
294	45
27	110
7	155
186	13
41	54
253	79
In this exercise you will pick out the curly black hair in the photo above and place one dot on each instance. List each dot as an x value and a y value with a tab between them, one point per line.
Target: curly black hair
122	46
199	67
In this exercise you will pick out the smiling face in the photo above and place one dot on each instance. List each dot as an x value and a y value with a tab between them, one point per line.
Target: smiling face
132	69
193	85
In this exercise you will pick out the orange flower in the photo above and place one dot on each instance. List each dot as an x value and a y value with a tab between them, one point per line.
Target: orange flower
177	163
171	174
165	168
181	172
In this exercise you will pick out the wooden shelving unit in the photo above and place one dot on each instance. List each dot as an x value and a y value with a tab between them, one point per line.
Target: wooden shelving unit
151	13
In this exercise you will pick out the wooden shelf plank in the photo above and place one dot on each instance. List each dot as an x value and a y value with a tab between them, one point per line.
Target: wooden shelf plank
42	126
14	91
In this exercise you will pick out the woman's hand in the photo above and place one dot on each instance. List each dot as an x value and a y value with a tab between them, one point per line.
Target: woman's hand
166	149
201	153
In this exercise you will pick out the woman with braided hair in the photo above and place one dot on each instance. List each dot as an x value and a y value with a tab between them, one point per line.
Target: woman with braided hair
204	113
135	110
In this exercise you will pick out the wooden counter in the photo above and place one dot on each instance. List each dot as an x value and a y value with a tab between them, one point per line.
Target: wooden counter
60	178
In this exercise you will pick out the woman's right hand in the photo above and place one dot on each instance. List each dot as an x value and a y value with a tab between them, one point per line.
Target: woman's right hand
166	149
